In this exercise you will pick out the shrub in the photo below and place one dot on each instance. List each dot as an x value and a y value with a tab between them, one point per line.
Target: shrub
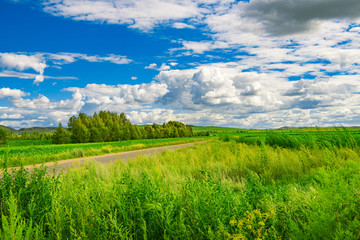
3	136
225	138
78	152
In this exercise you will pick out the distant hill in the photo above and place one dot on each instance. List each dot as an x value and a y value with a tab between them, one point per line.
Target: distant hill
30	130
8	128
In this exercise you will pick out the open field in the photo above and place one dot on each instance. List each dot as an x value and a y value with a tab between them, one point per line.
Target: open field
28	152
228	188
216	190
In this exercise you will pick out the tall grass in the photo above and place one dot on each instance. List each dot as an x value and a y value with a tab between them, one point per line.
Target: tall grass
341	137
217	190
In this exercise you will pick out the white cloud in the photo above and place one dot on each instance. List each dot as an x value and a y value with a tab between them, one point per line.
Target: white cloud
140	14
38	78
217	85
121	97
134	78
181	25
151	66
33	110
314	41
66	58
154	66
164	67
14	93
11	116
37	62
252	99
23	62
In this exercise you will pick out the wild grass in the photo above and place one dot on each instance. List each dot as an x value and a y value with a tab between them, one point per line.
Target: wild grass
340	137
13	156
216	190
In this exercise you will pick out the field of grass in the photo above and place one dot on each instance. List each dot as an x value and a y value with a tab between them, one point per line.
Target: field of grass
28	152
217	129
222	189
19	143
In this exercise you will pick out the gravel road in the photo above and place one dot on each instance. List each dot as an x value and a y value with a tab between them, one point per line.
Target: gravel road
64	165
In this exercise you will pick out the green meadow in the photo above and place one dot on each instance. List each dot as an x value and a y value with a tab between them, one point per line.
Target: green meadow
241	185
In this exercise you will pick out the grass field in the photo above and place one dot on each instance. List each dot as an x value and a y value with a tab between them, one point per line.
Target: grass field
28	152
222	189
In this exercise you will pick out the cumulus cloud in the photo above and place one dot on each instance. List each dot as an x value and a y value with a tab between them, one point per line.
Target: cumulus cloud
249	98
154	66
14	93
33	109
220	86
151	66
121	97
211	86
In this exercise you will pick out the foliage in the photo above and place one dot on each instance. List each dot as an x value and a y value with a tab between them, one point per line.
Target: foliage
225	138
3	136
254	225
61	135
107	126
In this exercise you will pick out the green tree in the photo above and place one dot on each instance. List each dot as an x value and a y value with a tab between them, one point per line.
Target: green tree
95	135
71	122
61	135
80	133
3	136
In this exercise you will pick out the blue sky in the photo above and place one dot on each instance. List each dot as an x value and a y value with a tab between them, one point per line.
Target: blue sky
248	64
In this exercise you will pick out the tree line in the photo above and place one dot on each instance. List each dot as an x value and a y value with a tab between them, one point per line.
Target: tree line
104	126
108	126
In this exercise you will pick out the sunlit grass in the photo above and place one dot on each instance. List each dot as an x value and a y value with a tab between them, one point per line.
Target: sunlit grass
216	190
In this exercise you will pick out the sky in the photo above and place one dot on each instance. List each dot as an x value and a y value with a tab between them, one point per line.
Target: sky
234	63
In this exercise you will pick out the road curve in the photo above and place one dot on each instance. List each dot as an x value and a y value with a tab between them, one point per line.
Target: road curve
64	165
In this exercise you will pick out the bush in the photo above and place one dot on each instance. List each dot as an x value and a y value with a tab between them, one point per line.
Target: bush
78	152
225	138
3	136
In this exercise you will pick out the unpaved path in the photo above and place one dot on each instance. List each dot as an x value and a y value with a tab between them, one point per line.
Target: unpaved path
64	165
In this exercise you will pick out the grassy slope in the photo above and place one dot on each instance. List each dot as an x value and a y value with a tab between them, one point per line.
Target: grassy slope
213	191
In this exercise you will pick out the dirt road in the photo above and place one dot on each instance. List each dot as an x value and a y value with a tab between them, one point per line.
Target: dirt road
64	165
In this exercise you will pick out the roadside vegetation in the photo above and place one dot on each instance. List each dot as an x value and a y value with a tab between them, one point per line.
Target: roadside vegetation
222	189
